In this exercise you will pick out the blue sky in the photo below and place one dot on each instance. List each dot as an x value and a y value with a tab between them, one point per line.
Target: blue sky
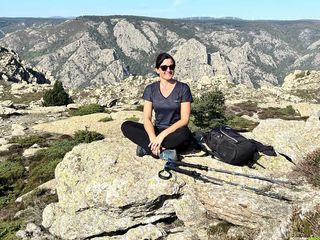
246	9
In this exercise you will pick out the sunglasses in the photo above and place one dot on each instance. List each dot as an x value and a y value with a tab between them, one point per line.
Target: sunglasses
165	67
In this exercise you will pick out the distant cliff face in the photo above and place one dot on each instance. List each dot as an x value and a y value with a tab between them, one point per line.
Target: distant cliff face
99	50
12	69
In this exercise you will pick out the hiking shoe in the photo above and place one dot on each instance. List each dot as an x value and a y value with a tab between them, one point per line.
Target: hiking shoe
169	154
140	152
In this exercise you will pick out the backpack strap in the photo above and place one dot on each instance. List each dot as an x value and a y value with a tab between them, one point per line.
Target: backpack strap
269	150
287	157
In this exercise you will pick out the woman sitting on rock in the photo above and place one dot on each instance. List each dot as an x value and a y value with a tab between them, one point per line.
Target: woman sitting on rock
171	102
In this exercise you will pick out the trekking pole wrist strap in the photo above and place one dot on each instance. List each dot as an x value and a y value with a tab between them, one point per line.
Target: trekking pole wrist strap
164	174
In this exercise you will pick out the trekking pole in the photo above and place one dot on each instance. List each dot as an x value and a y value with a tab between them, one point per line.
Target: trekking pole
206	168
169	166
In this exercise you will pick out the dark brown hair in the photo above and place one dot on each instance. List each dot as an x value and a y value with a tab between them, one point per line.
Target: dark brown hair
161	57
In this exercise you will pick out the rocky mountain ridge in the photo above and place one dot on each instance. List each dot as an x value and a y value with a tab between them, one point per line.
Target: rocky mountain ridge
99	50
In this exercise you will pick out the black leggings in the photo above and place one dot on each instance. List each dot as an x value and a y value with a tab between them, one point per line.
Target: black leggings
134	131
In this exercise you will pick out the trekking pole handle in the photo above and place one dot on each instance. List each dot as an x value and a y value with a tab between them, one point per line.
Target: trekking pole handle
186	172
198	166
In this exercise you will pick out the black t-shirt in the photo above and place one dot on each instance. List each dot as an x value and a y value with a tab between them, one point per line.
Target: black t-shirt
167	109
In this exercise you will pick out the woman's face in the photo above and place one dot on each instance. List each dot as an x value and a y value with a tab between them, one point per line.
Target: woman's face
166	69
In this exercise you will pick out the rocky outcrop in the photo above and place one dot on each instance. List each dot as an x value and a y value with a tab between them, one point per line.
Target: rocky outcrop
296	138
192	61
220	66
106	192
302	80
12	69
303	83
131	41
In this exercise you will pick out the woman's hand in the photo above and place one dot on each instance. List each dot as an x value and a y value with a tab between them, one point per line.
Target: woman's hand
155	144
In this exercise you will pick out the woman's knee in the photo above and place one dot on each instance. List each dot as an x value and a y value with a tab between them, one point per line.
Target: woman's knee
184	133
130	126
126	126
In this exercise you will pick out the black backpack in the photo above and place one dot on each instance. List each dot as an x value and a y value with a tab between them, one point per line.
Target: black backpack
229	146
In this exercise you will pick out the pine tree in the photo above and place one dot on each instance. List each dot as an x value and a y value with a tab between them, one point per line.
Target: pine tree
56	96
209	110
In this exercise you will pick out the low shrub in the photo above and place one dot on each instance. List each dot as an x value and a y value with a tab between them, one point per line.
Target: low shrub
41	172
106	119
287	113
310	95
139	108
8	194
249	108
239	123
306	226
15	181
85	136
43	163
192	126
28	141
57	150
33	204
86	109
310	168
9	228
134	118
245	108
10	171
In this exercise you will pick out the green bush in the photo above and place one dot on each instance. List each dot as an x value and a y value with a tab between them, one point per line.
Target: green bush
41	172
245	108
239	123
286	113
8	194
9	171
139	108
28	141
56	96
134	118
57	150
85	136
44	162
9	228
86	109
209	110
